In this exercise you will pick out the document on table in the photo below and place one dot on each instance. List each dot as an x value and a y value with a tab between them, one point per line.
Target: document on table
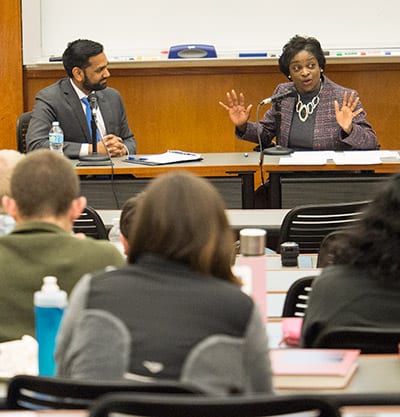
169	157
359	157
307	158
18	357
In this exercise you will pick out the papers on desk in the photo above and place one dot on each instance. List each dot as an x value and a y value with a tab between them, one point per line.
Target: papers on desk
18	357
169	157
307	158
357	158
338	158
313	368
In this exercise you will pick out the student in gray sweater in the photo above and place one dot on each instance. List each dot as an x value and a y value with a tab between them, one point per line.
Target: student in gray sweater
176	311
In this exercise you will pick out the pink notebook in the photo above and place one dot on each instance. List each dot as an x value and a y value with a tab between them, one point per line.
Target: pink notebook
313	368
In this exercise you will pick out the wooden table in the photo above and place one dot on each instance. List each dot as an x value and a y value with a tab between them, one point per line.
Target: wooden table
267	219
231	164
275	171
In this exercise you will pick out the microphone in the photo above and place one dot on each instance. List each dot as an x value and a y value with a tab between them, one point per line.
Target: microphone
95	158
277	97
93	107
93	103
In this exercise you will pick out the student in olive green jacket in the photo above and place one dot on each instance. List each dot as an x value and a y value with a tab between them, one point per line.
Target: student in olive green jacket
44	200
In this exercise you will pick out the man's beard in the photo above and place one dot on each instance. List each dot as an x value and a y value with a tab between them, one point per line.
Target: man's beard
93	87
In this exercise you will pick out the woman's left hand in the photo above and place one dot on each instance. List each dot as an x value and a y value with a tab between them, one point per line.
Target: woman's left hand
347	112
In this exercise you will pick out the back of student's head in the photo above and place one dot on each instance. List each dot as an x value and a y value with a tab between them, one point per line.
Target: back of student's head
128	212
44	183
182	217
8	160
374	243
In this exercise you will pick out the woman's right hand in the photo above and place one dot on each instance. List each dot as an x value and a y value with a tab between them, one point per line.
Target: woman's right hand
237	110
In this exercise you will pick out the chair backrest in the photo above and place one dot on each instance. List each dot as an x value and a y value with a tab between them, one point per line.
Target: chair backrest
22	127
225	406
33	392
324	255
91	224
307	225
368	339
296	297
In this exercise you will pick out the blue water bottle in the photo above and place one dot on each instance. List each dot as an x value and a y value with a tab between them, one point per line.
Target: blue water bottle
50	303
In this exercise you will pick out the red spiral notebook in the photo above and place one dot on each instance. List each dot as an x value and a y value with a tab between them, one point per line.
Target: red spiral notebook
313	368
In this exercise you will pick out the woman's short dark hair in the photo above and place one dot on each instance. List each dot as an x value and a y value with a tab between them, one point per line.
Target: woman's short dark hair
78	53
182	217
297	44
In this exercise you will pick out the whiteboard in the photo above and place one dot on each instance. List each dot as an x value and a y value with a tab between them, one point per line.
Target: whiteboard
133	27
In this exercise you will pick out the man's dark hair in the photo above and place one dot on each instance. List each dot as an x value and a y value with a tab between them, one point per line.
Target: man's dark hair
78	53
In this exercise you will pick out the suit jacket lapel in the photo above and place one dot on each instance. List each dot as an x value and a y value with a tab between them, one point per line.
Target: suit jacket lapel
286	120
75	105
106	111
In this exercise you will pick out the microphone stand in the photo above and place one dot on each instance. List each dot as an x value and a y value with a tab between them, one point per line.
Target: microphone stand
278	149
272	150
94	159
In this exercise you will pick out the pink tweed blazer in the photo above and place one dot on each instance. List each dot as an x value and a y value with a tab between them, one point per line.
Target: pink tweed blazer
327	133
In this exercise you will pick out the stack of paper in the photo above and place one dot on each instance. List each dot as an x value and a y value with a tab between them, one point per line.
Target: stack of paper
339	158
18	357
313	368
307	158
357	158
169	157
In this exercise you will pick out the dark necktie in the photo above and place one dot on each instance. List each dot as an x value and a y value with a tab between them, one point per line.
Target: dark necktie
89	117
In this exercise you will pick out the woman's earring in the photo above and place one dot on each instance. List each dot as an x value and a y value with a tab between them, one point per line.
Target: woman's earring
290	77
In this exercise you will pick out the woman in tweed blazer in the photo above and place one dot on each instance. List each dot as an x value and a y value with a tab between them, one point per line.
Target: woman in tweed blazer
316	113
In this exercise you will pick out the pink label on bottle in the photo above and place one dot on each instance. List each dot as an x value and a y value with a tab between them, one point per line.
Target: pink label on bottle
255	283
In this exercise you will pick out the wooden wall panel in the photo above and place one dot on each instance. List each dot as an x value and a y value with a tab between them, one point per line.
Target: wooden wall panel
175	105
11	91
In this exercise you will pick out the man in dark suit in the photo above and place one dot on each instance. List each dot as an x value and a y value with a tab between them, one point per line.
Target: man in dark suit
86	67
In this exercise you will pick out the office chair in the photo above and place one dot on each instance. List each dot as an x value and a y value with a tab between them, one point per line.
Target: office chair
189	406
36	392
297	295
90	224
22	127
365	399
324	255
307	225
368	339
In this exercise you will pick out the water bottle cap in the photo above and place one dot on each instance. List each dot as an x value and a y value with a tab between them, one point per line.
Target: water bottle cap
252	242
55	123
50	284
